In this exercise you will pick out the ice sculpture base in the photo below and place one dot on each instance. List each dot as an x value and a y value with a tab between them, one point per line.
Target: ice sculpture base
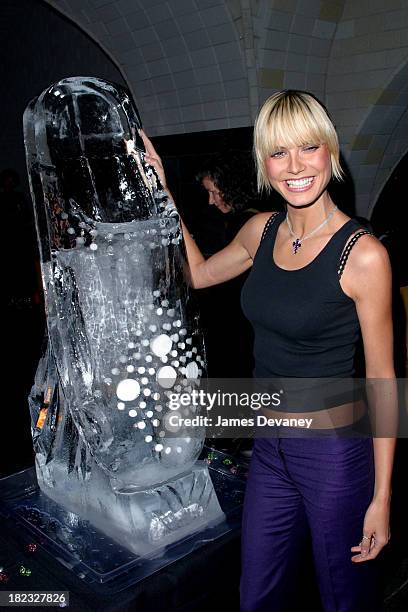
97	560
144	521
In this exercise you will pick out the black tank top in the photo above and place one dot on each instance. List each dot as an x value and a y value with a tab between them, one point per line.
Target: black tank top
304	323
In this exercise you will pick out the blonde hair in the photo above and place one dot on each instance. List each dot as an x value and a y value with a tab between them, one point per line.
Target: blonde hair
292	119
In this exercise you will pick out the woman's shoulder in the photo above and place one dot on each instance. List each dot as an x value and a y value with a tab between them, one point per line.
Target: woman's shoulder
367	250
251	233
259	219
366	259
257	223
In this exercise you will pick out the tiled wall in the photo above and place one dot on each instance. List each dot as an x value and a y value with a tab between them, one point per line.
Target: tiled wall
183	59
295	39
197	65
367	91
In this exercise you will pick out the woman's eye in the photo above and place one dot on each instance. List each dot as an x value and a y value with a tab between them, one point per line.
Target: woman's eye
278	154
311	147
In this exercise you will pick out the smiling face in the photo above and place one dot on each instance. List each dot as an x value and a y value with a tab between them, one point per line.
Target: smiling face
288	136
215	197
300	174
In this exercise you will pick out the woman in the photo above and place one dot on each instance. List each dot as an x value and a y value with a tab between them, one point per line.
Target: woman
230	185
316	280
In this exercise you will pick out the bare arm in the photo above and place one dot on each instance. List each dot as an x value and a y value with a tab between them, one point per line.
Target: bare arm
231	261
228	263
367	280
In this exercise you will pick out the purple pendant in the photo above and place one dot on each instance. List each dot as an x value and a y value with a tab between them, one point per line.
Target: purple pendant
296	245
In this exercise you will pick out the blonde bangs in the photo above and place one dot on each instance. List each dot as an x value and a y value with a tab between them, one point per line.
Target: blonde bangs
291	119
292	128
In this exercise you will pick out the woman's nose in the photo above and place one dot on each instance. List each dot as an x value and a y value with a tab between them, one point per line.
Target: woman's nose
295	164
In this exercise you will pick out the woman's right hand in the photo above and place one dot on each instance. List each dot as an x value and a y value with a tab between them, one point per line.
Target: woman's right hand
153	158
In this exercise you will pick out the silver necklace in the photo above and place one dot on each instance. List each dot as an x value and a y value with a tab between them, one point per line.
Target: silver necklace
297	243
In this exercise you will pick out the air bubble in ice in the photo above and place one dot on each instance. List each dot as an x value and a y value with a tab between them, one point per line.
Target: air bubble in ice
161	345
128	389
166	377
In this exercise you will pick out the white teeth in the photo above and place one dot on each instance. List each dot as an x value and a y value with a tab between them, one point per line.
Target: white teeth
299	182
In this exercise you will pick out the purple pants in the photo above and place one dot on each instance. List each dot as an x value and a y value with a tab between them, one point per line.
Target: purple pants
297	484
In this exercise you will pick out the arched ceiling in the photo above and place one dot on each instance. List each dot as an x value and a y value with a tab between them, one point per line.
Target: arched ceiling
366	91
294	44
208	64
183	60
196	65
387	129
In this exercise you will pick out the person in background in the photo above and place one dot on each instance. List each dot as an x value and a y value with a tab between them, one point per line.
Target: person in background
231	186
230	183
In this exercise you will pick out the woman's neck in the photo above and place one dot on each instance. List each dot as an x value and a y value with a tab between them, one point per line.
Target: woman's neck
306	219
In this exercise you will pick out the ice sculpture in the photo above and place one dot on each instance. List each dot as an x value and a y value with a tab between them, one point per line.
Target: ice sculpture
123	331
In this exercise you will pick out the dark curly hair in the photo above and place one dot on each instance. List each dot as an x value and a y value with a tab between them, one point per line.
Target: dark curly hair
234	175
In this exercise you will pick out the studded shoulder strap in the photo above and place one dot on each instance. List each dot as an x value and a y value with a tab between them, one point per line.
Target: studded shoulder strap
346	252
268	225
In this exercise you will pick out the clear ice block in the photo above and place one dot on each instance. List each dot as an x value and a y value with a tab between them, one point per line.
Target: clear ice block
123	329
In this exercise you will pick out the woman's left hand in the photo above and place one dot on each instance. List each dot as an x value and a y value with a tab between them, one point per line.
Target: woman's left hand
376	531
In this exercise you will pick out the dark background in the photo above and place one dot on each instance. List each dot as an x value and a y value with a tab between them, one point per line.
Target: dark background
39	47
